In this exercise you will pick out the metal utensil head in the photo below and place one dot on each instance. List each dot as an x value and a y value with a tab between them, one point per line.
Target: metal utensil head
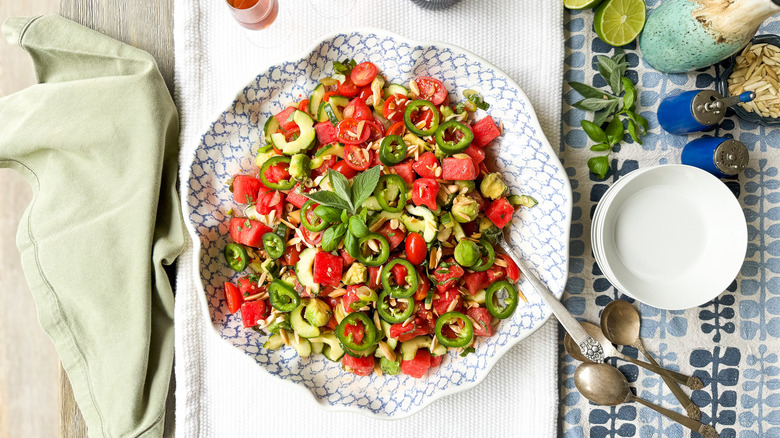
620	323
602	384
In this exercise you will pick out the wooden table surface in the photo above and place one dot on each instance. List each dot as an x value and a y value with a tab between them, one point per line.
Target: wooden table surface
35	396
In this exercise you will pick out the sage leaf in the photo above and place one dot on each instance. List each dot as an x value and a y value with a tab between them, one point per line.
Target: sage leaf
593	131
328	198
600	147
363	186
601	116
593	104
614	131
587	91
341	187
599	165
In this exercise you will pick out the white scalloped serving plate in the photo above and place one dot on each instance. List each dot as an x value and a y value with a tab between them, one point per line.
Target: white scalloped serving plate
522	153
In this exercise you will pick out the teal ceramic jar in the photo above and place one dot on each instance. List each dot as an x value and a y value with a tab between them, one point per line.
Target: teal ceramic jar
685	35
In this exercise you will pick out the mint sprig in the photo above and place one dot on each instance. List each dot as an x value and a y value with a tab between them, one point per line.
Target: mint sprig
605	104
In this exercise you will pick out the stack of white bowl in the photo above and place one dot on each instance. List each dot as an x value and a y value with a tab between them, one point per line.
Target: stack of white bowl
671	236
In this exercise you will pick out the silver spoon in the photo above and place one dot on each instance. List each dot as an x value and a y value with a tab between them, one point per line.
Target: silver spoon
611	351
589	347
605	385
620	323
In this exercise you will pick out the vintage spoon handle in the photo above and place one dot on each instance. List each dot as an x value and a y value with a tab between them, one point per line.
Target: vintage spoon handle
689	381
685	401
705	430
589	346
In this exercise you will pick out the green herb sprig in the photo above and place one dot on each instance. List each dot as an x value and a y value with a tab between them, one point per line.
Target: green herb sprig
605	105
350	223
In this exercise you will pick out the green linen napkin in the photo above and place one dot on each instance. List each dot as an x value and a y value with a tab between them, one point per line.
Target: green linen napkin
98	141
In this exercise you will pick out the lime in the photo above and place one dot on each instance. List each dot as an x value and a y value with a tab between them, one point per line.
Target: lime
618	22
580	4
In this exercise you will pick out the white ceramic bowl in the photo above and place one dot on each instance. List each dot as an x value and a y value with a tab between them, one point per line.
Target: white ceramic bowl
673	237
522	153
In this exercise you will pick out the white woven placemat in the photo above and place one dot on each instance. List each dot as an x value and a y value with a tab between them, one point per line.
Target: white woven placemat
222	393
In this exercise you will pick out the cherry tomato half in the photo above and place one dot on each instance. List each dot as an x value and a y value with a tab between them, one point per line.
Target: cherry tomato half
431	89
512	271
394	107
326	96
423	287
356	157
377	130
416	249
357	109
311	237
350	131
304	106
343	168
363	73
365	92
233	297
349	89
396	128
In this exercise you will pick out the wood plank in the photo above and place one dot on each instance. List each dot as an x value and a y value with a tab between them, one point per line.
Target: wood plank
149	26
29	364
144	24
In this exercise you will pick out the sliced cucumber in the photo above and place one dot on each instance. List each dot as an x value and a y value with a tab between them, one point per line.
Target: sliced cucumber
371	203
305	139
270	127
439	350
392	342
303	269
394	89
331	346
316	347
409	348
300	326
274	342
336	149
421	220
457	230
302	346
316	98
327	112
384	215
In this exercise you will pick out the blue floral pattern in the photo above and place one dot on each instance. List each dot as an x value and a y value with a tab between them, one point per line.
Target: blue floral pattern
731	342
522	153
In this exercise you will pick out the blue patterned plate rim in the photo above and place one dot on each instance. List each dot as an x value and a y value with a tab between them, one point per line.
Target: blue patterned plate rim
492	360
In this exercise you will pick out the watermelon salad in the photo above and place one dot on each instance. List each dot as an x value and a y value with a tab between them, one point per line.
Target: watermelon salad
366	231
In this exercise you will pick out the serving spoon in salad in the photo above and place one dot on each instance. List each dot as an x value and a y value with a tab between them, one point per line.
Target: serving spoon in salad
589	347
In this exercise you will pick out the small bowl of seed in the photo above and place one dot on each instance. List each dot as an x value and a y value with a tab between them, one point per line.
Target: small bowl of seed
756	68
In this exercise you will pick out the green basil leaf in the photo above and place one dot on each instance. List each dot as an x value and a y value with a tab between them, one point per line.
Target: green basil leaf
341	187
641	121
620	60
600	147
630	97
587	91
328	214
593	131
345	66
358	227
364	214
351	244
593	104
479	102
332	236
364	185
344	217
614	131
328	198
632	131
599	165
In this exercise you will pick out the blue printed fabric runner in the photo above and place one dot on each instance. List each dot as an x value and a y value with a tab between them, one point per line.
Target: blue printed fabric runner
731	343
